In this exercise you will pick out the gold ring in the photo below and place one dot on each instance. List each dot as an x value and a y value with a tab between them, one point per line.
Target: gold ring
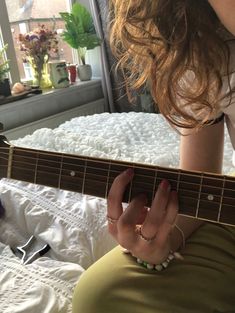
139	231
111	220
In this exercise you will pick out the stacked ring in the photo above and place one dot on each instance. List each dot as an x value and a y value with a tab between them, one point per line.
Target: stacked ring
111	220
139	231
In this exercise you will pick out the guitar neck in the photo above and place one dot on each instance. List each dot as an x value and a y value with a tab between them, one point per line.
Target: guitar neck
204	196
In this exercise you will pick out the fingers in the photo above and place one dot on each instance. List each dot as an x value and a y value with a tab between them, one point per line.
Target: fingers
126	225
116	193
172	209
169	220
158	210
152	239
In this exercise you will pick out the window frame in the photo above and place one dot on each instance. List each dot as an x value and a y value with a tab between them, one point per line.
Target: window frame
6	34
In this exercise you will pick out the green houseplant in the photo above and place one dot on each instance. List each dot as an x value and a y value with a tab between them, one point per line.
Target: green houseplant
5	89
80	34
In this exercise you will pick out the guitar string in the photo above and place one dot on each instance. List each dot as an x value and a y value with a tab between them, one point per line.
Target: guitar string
152	168
115	162
73	166
144	176
122	165
225	199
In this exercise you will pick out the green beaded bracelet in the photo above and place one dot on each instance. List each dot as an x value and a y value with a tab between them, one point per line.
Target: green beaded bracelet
157	267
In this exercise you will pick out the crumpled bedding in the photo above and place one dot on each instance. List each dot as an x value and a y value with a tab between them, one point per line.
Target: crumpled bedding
74	225
75	228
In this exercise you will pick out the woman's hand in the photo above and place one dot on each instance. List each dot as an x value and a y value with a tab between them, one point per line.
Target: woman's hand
144	232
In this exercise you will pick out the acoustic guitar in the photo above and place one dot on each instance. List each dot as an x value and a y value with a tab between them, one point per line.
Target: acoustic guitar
205	196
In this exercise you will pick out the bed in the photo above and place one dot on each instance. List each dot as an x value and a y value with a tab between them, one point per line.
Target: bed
71	223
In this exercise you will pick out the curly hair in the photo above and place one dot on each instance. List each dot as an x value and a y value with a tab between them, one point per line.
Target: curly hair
178	48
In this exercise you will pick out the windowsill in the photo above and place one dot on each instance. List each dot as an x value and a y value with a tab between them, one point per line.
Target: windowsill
35	107
78	84
46	94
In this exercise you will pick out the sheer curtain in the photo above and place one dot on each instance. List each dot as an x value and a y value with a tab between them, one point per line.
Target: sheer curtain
114	83
105	67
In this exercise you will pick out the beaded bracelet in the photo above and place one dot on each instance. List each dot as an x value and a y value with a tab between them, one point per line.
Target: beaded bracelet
158	267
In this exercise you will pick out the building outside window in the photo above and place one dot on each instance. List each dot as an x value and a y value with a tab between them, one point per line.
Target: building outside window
26	15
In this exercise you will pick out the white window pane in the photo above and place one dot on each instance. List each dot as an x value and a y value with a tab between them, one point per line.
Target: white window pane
23	28
26	15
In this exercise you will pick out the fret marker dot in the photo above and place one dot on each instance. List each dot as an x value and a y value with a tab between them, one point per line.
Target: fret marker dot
210	197
72	173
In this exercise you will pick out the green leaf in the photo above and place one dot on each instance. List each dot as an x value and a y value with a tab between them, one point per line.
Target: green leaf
79	28
83	16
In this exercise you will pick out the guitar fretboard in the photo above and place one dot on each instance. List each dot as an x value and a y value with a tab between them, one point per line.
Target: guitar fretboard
201	195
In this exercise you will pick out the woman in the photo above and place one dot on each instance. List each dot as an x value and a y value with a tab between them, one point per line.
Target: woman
185	50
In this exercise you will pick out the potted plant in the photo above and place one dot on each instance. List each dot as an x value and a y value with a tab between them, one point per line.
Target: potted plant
5	89
80	34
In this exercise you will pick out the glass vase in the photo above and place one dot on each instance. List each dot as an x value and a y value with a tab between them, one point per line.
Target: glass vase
41	75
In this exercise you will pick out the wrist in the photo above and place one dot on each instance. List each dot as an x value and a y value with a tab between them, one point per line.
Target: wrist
185	227
177	240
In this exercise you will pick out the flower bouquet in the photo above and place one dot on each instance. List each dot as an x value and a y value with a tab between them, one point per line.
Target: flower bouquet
37	46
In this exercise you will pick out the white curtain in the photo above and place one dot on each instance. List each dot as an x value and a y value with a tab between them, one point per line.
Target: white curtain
106	82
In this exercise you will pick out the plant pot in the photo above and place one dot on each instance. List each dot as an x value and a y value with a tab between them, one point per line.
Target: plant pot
5	89
84	72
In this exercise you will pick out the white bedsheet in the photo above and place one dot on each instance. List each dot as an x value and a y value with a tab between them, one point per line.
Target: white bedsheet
74	225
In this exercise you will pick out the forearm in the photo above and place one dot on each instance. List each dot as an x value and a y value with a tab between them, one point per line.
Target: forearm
225	10
201	151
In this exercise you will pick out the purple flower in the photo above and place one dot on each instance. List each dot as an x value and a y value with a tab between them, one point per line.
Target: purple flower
43	38
33	37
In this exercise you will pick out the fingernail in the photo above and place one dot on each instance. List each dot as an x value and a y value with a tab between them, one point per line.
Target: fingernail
129	172
165	185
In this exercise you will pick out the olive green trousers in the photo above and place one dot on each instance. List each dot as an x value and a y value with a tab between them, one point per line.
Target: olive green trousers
204	282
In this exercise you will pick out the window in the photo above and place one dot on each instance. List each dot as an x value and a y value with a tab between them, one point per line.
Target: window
23	28
22	16
27	71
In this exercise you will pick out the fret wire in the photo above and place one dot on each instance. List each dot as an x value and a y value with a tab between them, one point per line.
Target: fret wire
61	166
221	200
130	188
84	177
116	172
183	190
182	197
144	176
199	195
170	172
154	184
178	180
36	167
107	182
10	158
123	163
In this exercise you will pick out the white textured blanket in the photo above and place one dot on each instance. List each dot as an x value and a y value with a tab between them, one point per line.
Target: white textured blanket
74	225
137	137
